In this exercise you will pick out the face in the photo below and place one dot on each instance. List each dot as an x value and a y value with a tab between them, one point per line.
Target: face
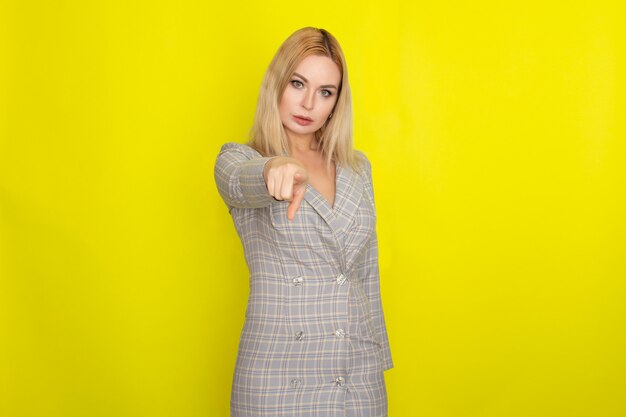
309	97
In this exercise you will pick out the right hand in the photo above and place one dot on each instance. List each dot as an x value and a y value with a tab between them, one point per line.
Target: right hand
286	180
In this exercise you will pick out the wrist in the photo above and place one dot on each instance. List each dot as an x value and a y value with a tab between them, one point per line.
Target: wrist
267	166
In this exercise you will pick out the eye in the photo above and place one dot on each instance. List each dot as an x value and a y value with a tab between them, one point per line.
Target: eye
297	83
326	93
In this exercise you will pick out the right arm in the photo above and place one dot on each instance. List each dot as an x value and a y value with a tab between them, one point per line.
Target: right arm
249	181
239	177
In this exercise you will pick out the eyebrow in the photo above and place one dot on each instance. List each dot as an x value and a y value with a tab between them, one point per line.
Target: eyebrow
321	86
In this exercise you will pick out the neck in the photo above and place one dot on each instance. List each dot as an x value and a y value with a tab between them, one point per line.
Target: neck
302	144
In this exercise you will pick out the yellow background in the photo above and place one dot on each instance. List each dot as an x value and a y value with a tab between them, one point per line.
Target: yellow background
496	132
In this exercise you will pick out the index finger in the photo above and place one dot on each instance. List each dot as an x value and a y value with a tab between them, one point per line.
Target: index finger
294	204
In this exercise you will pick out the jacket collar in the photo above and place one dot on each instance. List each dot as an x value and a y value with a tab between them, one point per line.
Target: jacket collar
349	188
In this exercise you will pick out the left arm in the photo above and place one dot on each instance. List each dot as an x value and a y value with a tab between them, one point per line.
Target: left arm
371	274
372	288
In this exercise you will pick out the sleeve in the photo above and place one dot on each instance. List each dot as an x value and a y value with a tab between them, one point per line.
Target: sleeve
239	177
370	270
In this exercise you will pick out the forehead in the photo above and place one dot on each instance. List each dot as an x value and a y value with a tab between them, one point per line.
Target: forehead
319	69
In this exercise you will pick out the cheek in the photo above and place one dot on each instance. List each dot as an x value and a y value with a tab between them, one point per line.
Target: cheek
289	96
327	107
287	101
284	105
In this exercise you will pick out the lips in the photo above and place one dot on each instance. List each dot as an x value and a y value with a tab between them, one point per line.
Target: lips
303	120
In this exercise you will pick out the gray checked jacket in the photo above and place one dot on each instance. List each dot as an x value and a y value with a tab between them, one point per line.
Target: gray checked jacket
314	319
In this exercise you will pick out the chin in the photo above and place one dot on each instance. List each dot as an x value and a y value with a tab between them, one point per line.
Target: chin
303	131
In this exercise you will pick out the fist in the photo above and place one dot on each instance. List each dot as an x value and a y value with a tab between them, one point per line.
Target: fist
286	180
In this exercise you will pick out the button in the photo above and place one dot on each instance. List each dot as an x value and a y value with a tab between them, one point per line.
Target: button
295	382
299	335
341	279
340	333
340	381
297	281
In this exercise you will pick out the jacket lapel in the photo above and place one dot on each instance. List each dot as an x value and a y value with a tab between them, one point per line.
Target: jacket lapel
349	189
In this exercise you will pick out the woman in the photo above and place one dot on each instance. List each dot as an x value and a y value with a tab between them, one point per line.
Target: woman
314	341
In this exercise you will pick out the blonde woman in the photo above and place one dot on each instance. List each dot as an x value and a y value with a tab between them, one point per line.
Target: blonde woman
314	342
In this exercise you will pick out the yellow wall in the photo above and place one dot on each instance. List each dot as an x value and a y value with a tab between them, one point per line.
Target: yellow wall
496	131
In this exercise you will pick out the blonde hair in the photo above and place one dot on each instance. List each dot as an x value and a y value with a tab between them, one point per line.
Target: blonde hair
334	138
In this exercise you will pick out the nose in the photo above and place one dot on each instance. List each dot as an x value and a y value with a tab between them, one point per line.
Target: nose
308	100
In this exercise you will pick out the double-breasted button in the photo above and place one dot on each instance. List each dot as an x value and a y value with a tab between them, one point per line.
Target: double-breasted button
340	381
297	281
340	333
295	382
299	335
341	278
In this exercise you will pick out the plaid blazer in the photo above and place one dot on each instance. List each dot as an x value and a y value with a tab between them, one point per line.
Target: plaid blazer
314	342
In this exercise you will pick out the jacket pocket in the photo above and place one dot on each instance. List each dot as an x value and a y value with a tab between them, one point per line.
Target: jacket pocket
278	214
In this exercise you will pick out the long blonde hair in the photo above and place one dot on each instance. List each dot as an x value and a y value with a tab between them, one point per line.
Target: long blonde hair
334	138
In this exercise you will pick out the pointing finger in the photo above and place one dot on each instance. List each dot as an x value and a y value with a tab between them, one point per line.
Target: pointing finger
294	205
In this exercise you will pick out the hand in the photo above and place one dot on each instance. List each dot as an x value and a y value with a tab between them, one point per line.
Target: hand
286	180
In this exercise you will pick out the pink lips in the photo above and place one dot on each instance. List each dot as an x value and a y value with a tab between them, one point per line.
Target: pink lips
303	120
